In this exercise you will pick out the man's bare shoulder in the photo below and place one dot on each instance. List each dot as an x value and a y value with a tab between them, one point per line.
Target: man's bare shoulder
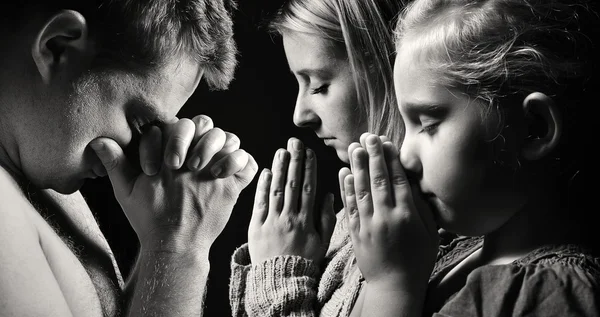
39	275
14	207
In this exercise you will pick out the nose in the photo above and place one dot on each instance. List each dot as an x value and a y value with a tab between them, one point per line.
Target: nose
409	156
304	115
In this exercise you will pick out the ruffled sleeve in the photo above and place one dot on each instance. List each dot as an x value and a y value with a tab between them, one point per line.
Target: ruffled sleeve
280	286
568	288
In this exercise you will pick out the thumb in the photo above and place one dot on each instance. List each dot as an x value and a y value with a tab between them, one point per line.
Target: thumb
327	219
121	174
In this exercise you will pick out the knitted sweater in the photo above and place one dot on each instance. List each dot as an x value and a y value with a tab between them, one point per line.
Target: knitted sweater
294	286
553	280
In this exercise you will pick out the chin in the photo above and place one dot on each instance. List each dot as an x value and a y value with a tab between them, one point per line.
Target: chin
343	156
66	186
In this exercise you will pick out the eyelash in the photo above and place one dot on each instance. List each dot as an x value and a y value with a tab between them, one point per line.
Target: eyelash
430	129
319	90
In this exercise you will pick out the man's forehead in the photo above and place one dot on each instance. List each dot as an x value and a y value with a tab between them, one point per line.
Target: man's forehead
170	88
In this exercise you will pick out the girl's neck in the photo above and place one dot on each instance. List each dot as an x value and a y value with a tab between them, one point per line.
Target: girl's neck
538	222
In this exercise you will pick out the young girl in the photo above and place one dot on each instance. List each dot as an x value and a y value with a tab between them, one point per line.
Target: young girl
341	53
489	92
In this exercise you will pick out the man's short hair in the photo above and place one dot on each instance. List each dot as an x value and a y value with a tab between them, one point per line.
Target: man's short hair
138	35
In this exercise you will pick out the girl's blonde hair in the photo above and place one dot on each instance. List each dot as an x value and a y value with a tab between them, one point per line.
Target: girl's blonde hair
363	31
499	51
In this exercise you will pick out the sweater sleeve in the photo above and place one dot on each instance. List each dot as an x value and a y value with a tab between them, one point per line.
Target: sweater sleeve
280	286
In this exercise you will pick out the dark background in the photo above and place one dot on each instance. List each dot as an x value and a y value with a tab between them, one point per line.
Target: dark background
258	108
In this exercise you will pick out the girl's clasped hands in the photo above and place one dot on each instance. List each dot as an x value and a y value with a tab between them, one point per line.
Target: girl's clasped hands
394	236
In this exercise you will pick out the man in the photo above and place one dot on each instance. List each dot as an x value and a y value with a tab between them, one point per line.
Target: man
83	82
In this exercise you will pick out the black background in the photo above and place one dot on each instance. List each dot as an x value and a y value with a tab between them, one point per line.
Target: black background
258	108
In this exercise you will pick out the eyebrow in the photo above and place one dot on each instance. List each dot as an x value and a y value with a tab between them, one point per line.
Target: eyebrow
426	108
312	72
414	110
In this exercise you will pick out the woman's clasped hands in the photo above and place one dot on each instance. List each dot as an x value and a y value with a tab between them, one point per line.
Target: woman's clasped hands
285	218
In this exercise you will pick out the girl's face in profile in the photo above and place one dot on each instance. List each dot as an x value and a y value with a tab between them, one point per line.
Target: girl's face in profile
327	99
444	151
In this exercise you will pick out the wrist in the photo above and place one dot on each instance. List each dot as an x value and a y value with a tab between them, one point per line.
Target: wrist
393	299
404	285
176	241
175	248
197	259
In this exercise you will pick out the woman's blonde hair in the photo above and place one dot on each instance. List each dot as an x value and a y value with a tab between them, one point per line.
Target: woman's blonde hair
363	30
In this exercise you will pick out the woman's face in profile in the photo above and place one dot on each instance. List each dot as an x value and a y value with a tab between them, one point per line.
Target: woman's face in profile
327	99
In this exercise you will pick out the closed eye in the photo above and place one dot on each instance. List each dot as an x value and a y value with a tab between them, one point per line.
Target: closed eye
430	128
319	90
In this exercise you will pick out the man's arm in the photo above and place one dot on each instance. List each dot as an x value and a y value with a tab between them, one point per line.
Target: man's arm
168	284
177	213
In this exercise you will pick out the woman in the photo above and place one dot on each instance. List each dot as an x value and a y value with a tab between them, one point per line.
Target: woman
341	54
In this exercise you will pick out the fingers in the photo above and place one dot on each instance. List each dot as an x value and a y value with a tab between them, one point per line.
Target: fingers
309	187
279	170
327	223
351	207
180	136
344	171
121	175
209	144
384	139
261	198
151	151
246	175
232	143
363	138
203	124
353	146
399	183
230	164
294	176
378	173
362	183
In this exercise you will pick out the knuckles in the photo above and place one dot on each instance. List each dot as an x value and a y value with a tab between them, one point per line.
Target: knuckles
379	181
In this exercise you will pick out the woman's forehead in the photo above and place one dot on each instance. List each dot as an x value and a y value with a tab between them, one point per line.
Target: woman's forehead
305	50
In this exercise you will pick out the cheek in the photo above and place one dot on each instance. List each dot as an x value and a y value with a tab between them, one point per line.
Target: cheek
454	169
345	115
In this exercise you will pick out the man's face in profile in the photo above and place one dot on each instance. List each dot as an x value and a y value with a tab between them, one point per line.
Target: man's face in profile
55	152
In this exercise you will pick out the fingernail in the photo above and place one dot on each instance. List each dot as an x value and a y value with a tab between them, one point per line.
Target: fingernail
231	141
282	155
195	162
372	140
97	146
151	168
266	175
309	154
173	159
216	171
297	145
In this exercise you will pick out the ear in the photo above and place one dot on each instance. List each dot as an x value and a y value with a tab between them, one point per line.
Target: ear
543	124
60	42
